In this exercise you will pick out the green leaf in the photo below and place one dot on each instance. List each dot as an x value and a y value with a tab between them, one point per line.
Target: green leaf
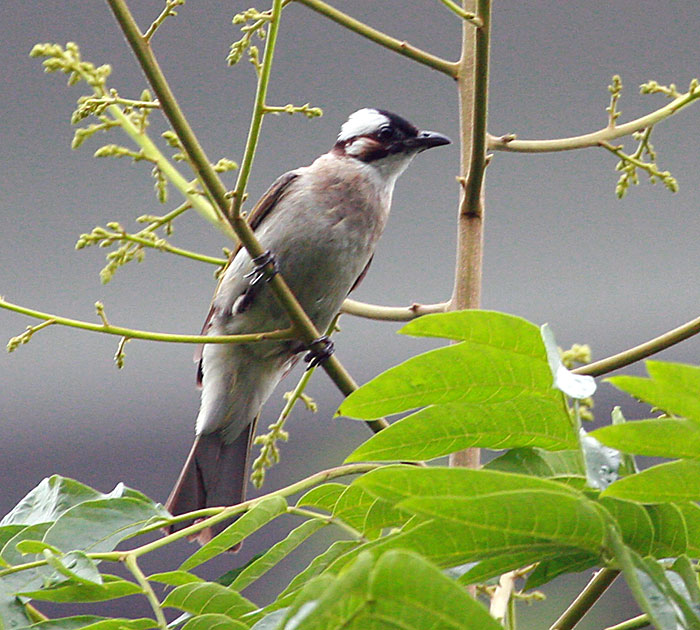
670	482
276	553
174	578
560	564
501	359
673	387
540	463
442	429
75	566
260	514
323	497
112	587
483	570
93	622
100	525
365	512
497	510
214	622
47	501
319	564
402	591
691	516
634	522
661	437
670	534
667	608
200	598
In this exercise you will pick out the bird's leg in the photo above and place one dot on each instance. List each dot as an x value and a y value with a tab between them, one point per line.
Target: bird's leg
319	350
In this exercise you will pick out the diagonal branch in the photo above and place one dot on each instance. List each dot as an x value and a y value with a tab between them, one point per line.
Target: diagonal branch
449	68
653	346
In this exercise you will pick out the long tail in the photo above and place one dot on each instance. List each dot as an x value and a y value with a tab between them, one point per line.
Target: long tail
215	474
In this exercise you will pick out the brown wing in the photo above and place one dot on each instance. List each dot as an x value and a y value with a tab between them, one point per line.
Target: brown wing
255	218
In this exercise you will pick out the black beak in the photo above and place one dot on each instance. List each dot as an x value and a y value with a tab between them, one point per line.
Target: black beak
426	140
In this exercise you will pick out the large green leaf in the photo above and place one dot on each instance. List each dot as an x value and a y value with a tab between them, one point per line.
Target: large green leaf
323	497
402	591
445	428
661	594
562	465
634	522
659	437
93	622
691	516
112	587
670	534
198	598
260	514
212	621
673	387
502	358
670	482
317	566
276	553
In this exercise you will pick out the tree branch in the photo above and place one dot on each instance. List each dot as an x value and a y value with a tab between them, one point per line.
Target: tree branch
132	333
510	143
585	600
653	346
390	313
472	86
401	47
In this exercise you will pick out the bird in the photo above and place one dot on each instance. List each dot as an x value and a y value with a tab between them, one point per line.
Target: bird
319	226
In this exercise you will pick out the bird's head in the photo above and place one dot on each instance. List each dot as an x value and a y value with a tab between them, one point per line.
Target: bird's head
384	140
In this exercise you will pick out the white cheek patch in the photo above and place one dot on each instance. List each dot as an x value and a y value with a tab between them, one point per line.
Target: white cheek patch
361	123
358	147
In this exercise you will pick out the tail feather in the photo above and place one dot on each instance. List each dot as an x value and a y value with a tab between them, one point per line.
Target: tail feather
215	474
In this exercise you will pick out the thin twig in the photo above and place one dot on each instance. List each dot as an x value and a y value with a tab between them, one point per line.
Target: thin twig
403	48
390	313
585	599
640	621
594	139
653	346
132	333
132	565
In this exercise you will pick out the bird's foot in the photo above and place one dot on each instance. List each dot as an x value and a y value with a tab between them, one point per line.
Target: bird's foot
264	270
319	350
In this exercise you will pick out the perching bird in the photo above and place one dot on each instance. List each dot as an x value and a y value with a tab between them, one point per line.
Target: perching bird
320	225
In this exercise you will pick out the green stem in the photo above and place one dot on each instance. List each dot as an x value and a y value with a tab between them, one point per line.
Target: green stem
472	202
305	327
585	600
401	47
258	111
164	246
594	139
653	346
132	565
132	333
331	520
218	514
465	15
390	313
640	621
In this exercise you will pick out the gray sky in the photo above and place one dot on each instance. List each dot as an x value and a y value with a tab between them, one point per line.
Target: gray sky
559	246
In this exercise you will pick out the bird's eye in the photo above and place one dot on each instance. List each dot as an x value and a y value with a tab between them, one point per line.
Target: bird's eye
386	133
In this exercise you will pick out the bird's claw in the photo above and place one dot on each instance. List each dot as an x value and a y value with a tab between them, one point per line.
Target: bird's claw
319	351
264	270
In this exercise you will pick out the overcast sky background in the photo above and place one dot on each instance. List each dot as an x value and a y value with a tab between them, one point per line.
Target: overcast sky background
560	248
